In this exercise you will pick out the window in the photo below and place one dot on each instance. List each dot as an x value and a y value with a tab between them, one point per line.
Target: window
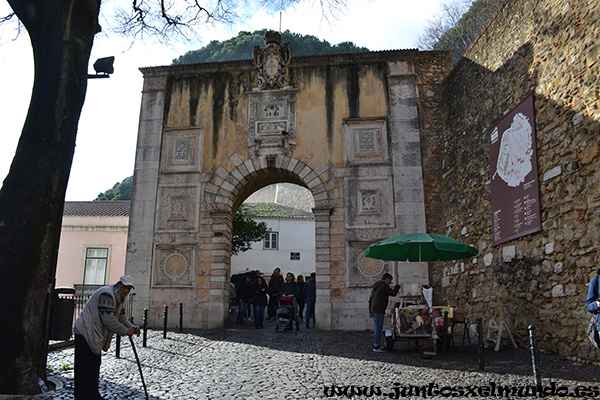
295	256
96	260
271	241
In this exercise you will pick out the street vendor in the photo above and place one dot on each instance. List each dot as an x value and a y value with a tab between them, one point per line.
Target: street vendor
378	302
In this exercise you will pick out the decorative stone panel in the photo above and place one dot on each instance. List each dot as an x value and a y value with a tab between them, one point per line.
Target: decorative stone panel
177	208
369	202
272	122
182	150
364	271
173	265
365	141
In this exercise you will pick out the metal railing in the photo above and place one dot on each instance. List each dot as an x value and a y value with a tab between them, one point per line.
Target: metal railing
81	299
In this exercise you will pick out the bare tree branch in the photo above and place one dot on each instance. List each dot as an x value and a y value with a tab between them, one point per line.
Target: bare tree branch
7	18
13	19
169	19
457	26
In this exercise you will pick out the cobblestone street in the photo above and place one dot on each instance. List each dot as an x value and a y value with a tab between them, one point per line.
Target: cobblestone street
244	363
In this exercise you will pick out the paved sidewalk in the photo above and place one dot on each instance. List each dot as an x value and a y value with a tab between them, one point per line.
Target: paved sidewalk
244	363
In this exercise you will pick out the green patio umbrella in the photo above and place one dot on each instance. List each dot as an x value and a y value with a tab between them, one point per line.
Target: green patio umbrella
420	247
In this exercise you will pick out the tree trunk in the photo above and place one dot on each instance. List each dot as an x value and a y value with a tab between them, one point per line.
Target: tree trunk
32	197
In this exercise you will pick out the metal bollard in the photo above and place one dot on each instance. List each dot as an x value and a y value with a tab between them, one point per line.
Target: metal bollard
118	347
534	360
445	333
145	325
180	317
165	313
480	346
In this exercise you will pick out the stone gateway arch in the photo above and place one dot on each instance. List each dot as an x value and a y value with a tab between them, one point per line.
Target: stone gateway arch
351	128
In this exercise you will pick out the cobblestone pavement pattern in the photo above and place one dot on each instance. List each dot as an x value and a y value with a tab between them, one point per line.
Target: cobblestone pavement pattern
244	363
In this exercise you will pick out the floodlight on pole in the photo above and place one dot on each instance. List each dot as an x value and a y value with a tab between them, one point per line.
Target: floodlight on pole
103	67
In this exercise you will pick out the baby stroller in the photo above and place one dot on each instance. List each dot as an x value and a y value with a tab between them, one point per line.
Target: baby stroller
284	314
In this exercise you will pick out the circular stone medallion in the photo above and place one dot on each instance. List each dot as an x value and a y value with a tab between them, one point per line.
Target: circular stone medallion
370	266
175	265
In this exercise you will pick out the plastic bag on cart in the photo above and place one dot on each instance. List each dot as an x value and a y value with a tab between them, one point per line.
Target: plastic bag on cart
428	294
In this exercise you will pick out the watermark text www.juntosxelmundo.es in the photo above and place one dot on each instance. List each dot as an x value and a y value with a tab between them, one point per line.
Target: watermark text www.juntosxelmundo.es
431	390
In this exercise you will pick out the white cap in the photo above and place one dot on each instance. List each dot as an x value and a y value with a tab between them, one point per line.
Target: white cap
126	280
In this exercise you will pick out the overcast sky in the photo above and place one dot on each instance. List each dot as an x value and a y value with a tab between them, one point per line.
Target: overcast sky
107	133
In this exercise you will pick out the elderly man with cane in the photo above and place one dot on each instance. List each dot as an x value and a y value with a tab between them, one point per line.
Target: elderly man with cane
102	316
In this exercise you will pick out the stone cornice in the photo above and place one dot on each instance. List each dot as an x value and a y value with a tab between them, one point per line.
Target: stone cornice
297	61
71	228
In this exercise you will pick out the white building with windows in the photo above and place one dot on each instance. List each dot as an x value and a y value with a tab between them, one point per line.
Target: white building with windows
93	244
290	245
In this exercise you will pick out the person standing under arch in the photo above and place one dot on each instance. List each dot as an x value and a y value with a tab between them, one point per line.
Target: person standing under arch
301	296
274	291
259	301
310	294
290	288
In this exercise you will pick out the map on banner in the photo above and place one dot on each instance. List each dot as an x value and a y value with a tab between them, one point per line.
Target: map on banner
513	167
516	150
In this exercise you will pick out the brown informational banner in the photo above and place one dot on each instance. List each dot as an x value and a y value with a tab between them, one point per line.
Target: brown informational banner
513	166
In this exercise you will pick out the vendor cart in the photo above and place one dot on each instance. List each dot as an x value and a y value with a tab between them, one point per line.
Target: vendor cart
408	322
419	323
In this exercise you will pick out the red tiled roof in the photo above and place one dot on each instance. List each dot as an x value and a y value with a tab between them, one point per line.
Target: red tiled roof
111	208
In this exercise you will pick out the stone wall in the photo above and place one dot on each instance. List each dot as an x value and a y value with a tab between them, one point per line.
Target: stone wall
430	74
550	48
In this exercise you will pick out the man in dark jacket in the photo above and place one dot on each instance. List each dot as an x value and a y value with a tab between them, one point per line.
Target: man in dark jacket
274	291
310	293
244	292
378	303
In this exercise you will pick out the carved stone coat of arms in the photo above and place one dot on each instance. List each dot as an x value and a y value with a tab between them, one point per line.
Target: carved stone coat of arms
272	61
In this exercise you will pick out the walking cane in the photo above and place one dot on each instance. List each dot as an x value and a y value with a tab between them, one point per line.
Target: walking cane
139	365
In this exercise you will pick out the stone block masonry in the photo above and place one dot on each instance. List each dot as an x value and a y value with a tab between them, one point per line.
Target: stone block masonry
550	48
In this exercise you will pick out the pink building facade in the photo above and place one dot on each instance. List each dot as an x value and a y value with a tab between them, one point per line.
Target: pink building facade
93	244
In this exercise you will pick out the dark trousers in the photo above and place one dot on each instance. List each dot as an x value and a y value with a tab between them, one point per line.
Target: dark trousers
273	304
87	371
310	311
242	308
259	315
296	316
301	302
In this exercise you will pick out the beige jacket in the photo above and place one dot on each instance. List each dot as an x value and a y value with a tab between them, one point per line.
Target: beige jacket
102	316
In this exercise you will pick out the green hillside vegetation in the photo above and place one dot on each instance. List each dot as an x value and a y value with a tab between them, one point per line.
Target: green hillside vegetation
241	46
120	191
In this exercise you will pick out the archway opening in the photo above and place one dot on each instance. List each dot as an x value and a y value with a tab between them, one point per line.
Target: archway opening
289	245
